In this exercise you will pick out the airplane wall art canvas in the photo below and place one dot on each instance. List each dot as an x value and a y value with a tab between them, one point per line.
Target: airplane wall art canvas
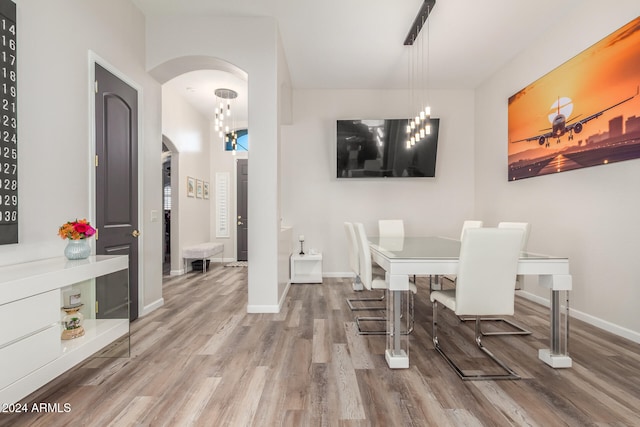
586	112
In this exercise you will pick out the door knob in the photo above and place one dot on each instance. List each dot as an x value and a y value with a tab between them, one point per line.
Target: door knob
135	233
240	223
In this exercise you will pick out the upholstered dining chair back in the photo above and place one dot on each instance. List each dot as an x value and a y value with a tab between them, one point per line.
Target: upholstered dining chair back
524	226
366	268
391	228
488	264
470	224
526	229
352	247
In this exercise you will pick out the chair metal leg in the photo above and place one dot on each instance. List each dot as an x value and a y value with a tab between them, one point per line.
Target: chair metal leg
519	330
370	319
350	302
510	375
357	284
384	319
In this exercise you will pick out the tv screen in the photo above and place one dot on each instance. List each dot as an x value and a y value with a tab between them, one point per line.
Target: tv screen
378	148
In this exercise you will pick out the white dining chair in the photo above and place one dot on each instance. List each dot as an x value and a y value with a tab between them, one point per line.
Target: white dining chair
391	228
526	229
352	248
465	226
354	264
484	287
515	328
372	282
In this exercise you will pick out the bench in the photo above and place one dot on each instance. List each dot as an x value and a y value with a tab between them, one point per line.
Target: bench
201	251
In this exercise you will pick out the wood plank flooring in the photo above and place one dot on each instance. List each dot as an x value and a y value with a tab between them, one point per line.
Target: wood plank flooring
202	360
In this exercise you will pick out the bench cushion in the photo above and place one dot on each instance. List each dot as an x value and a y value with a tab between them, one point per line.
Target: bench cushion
203	250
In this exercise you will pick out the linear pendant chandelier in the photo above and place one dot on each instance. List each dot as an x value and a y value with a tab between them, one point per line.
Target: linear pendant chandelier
225	96
419	126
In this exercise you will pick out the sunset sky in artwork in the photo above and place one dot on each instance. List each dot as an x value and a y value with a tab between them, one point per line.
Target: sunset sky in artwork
599	77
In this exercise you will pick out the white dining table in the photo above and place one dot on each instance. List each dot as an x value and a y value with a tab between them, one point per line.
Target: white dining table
436	256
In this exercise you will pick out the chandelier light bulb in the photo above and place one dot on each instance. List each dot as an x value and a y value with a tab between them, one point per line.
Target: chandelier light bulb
417	120
421	115
408	129
413	125
427	129
422	133
427	111
408	143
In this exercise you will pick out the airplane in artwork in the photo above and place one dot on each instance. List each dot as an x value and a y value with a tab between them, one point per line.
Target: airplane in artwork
561	126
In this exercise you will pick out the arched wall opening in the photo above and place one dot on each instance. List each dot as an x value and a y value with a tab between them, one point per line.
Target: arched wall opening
258	57
203	73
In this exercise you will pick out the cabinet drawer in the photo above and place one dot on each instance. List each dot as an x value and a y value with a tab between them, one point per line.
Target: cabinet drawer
26	316
27	355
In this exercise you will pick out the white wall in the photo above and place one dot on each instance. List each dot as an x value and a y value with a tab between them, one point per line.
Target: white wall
315	203
189	131
55	176
589	214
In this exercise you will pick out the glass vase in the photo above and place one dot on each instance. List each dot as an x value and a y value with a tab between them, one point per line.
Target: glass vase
77	249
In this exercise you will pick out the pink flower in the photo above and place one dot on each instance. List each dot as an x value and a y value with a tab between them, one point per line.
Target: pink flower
80	227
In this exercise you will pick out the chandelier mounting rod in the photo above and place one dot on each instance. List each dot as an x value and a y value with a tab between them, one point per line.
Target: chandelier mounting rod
421	18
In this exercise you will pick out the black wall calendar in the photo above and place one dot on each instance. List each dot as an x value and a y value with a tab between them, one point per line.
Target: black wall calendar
8	125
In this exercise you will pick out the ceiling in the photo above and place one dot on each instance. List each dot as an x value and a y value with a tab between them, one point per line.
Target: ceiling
358	44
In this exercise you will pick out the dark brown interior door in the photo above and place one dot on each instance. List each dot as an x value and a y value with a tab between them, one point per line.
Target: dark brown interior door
116	121
242	180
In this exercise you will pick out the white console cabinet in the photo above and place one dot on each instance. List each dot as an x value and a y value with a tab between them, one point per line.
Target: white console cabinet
306	268
31	297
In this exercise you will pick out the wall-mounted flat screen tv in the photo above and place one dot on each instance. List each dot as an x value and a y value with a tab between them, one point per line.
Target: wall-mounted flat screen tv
379	149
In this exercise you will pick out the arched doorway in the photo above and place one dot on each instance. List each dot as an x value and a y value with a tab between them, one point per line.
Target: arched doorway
188	167
170	207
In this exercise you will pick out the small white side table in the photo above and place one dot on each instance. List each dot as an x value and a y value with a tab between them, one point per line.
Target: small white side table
306	268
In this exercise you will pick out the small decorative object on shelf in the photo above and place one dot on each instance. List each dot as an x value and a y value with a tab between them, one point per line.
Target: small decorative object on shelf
72	322
77	232
301	239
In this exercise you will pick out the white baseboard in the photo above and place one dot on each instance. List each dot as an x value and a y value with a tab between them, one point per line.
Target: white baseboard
592	320
338	274
179	272
284	296
270	308
151	307
263	309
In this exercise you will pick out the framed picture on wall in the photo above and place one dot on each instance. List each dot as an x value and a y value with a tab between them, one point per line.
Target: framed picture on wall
584	113
199	190
191	187
205	189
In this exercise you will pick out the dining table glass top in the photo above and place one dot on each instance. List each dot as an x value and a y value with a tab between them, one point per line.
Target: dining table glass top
429	247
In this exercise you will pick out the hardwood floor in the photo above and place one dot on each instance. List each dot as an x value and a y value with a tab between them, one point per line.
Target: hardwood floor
201	360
